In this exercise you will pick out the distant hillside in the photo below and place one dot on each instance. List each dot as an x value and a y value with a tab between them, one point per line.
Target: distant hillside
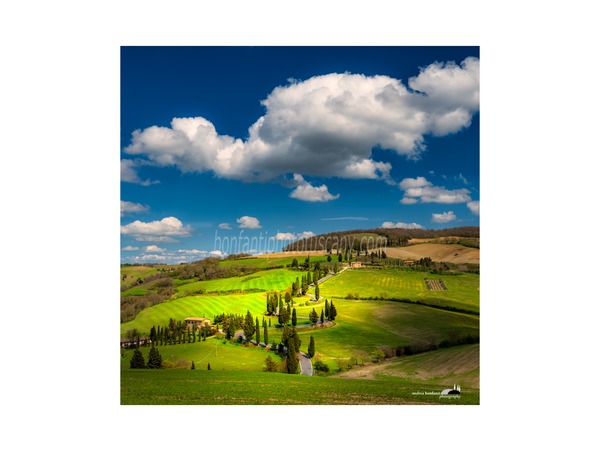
384	237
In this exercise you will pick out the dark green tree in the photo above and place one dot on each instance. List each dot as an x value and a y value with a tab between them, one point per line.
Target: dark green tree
266	333
317	291
328	258
193	366
322	316
294	318
270	365
248	326
208	367
137	360
311	347
154	359
340	257
313	316
326	309
332	311
284	316
291	359
257	332
295	263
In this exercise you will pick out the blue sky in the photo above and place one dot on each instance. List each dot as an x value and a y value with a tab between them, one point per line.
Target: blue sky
278	143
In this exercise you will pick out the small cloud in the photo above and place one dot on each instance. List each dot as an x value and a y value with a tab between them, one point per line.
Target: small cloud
153	249
409	226
292	236
130	207
248	222
130	248
225	226
129	173
157	231
309	193
448	216
419	190
474	207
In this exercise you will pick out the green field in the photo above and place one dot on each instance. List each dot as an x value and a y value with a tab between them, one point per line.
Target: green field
196	306
463	289
363	325
221	356
232	387
265	262
275	279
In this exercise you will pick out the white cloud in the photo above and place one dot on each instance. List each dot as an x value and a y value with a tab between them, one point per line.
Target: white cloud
130	248
248	222
420	190
308	193
305	234
202	253
130	207
284	237
323	126
410	226
152	258
447	216
153	249
157	231
292	236
225	226
129	173
474	207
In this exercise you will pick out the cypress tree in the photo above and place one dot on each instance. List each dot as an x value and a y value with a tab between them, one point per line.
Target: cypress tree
291	360
266	333
311	347
322	316
257	332
193	366
137	360
326	309
294	318
154	359
332	312
208	367
313	316
317	292
248	326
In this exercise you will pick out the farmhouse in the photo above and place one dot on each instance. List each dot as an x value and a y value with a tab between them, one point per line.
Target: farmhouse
355	264
199	321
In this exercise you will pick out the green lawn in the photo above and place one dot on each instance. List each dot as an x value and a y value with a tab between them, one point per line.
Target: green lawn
233	387
463	289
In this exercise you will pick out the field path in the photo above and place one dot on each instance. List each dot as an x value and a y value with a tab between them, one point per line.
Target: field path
305	365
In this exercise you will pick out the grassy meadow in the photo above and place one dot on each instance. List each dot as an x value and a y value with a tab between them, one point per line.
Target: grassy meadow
463	289
275	279
384	383
361	327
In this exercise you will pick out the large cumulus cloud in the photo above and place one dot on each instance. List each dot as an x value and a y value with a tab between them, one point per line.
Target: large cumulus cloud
324	126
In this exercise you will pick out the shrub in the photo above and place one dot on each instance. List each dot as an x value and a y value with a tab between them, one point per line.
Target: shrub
320	366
